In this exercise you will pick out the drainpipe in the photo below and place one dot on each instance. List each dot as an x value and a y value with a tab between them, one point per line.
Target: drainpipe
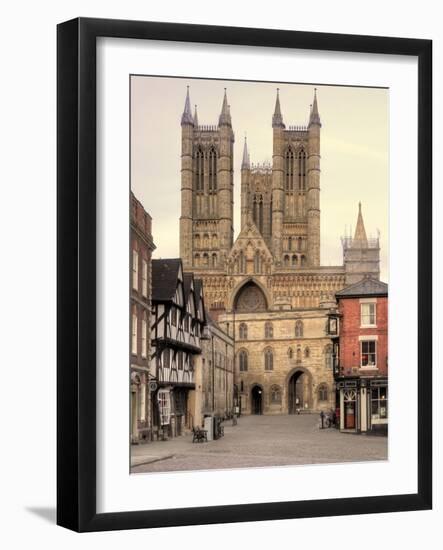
213	374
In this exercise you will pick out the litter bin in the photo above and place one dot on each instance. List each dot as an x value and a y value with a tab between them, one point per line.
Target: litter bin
209	427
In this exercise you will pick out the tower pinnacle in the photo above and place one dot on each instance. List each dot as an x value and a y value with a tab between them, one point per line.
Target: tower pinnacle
225	115
195	117
245	165
187	115
314	117
277	119
360	239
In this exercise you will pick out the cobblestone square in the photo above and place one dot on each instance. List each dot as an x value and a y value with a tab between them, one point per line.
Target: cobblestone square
259	441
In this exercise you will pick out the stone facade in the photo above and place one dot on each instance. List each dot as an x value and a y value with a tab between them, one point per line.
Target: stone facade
272	273
142	246
217	373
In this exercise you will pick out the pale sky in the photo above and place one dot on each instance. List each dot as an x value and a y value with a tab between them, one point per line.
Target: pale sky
354	150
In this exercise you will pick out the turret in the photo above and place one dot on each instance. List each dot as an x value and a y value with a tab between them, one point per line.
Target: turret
225	178
313	190
187	124
245	175
277	181
361	256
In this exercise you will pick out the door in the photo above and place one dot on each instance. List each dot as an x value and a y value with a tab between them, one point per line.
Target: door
256	400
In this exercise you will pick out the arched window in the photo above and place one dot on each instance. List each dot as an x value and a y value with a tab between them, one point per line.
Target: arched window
269	359
243	331
299	244
303	260
289	170
197	260
286	261
323	392
294	260
205	259
269	330
307	353
214	260
290	353
275	394
242	360
299	329
298	355
257	211
206	243
242	262
328	356
302	170
199	171
212	159
197	241
214	240
257	262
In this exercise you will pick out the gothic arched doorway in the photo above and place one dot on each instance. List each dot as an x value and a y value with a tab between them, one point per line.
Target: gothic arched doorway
256	400
299	392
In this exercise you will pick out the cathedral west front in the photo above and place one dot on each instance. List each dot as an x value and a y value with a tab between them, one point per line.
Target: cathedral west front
267	287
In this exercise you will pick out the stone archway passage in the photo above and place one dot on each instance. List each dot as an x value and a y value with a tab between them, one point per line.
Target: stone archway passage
256	400
299	392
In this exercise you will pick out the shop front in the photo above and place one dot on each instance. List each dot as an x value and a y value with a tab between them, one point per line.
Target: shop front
363	405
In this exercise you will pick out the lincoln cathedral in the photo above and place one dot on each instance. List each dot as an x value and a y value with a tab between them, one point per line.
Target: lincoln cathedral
267	288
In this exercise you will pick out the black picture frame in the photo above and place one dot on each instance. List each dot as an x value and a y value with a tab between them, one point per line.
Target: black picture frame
76	265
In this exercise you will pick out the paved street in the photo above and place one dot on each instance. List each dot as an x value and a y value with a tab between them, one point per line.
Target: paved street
260	441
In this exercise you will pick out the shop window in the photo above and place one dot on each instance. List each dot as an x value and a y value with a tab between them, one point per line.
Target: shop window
379	403
164	406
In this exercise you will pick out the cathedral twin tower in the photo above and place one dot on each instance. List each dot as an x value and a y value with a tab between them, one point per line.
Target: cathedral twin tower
281	201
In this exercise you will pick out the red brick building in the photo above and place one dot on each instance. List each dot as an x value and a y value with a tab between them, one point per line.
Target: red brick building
361	368
141	247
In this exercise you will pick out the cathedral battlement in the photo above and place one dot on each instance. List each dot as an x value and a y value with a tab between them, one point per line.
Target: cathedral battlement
261	167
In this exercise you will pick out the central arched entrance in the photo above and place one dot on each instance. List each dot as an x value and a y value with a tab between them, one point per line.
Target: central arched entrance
299	392
256	400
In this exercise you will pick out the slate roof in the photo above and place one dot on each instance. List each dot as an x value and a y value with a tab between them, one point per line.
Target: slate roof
368	286
187	280
164	279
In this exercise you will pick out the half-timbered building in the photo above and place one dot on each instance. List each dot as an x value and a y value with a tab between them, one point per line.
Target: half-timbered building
178	320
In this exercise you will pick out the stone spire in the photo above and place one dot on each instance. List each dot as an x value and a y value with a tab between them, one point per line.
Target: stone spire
245	165
314	117
195	117
187	115
360	239
277	119
225	115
